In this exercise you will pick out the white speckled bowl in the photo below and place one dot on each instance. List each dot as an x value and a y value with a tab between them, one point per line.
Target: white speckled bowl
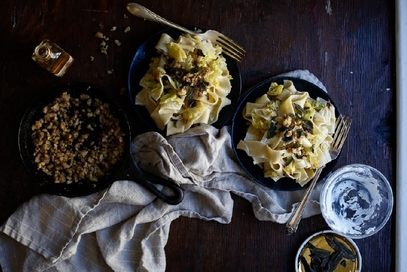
356	201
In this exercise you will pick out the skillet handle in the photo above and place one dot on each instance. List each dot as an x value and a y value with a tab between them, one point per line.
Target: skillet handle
130	170
148	180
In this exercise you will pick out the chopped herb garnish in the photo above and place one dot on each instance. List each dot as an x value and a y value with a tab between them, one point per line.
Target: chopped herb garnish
194	70
299	156
287	139
300	133
299	111
201	85
289	161
271	131
283	128
190	95
200	53
308	126
295	117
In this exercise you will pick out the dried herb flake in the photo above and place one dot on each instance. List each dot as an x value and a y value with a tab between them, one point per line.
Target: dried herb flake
271	130
299	111
325	261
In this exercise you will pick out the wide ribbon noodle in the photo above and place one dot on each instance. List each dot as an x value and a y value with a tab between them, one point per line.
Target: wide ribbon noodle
186	84
290	133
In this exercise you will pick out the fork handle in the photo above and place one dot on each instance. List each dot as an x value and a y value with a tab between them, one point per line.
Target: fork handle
294	220
144	13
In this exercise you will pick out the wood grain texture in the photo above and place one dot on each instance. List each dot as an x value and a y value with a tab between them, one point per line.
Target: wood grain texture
349	45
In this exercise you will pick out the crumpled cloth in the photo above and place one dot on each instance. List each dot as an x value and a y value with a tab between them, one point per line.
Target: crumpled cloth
125	227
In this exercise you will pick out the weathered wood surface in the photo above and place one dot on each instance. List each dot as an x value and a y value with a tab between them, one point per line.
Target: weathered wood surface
348	45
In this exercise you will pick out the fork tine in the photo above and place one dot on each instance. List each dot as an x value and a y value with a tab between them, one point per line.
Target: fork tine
232	43
230	51
341	131
347	124
230	48
338	128
231	54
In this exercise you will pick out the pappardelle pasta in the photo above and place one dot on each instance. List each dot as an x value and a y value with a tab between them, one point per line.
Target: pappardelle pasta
186	84
289	132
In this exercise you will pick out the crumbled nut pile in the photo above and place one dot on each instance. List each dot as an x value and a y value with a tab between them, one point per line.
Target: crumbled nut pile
106	41
78	138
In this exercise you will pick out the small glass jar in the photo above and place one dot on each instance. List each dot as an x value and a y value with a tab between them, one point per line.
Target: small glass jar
52	57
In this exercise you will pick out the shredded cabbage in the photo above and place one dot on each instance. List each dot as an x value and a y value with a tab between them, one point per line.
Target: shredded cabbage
186	84
289	133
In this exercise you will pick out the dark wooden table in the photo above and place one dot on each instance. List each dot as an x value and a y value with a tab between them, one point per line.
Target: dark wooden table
348	45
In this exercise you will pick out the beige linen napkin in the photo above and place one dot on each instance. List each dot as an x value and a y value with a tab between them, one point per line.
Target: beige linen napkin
125	228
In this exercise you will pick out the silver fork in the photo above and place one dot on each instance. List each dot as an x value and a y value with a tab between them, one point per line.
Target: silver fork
229	47
342	126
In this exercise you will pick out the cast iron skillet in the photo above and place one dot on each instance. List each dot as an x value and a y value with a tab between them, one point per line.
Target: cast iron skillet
125	168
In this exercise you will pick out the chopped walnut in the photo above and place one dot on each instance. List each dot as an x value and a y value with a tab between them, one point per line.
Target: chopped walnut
183	91
99	35
78	138
287	121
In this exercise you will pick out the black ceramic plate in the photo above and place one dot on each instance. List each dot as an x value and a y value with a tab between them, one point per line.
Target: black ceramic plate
140	65
239	128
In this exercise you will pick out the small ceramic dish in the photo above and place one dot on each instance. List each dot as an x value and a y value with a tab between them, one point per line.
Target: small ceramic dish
328	251
356	201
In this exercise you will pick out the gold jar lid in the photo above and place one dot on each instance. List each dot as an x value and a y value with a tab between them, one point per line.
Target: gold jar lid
42	51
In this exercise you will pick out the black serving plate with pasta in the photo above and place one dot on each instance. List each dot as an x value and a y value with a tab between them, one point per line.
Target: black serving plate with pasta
239	128
140	65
